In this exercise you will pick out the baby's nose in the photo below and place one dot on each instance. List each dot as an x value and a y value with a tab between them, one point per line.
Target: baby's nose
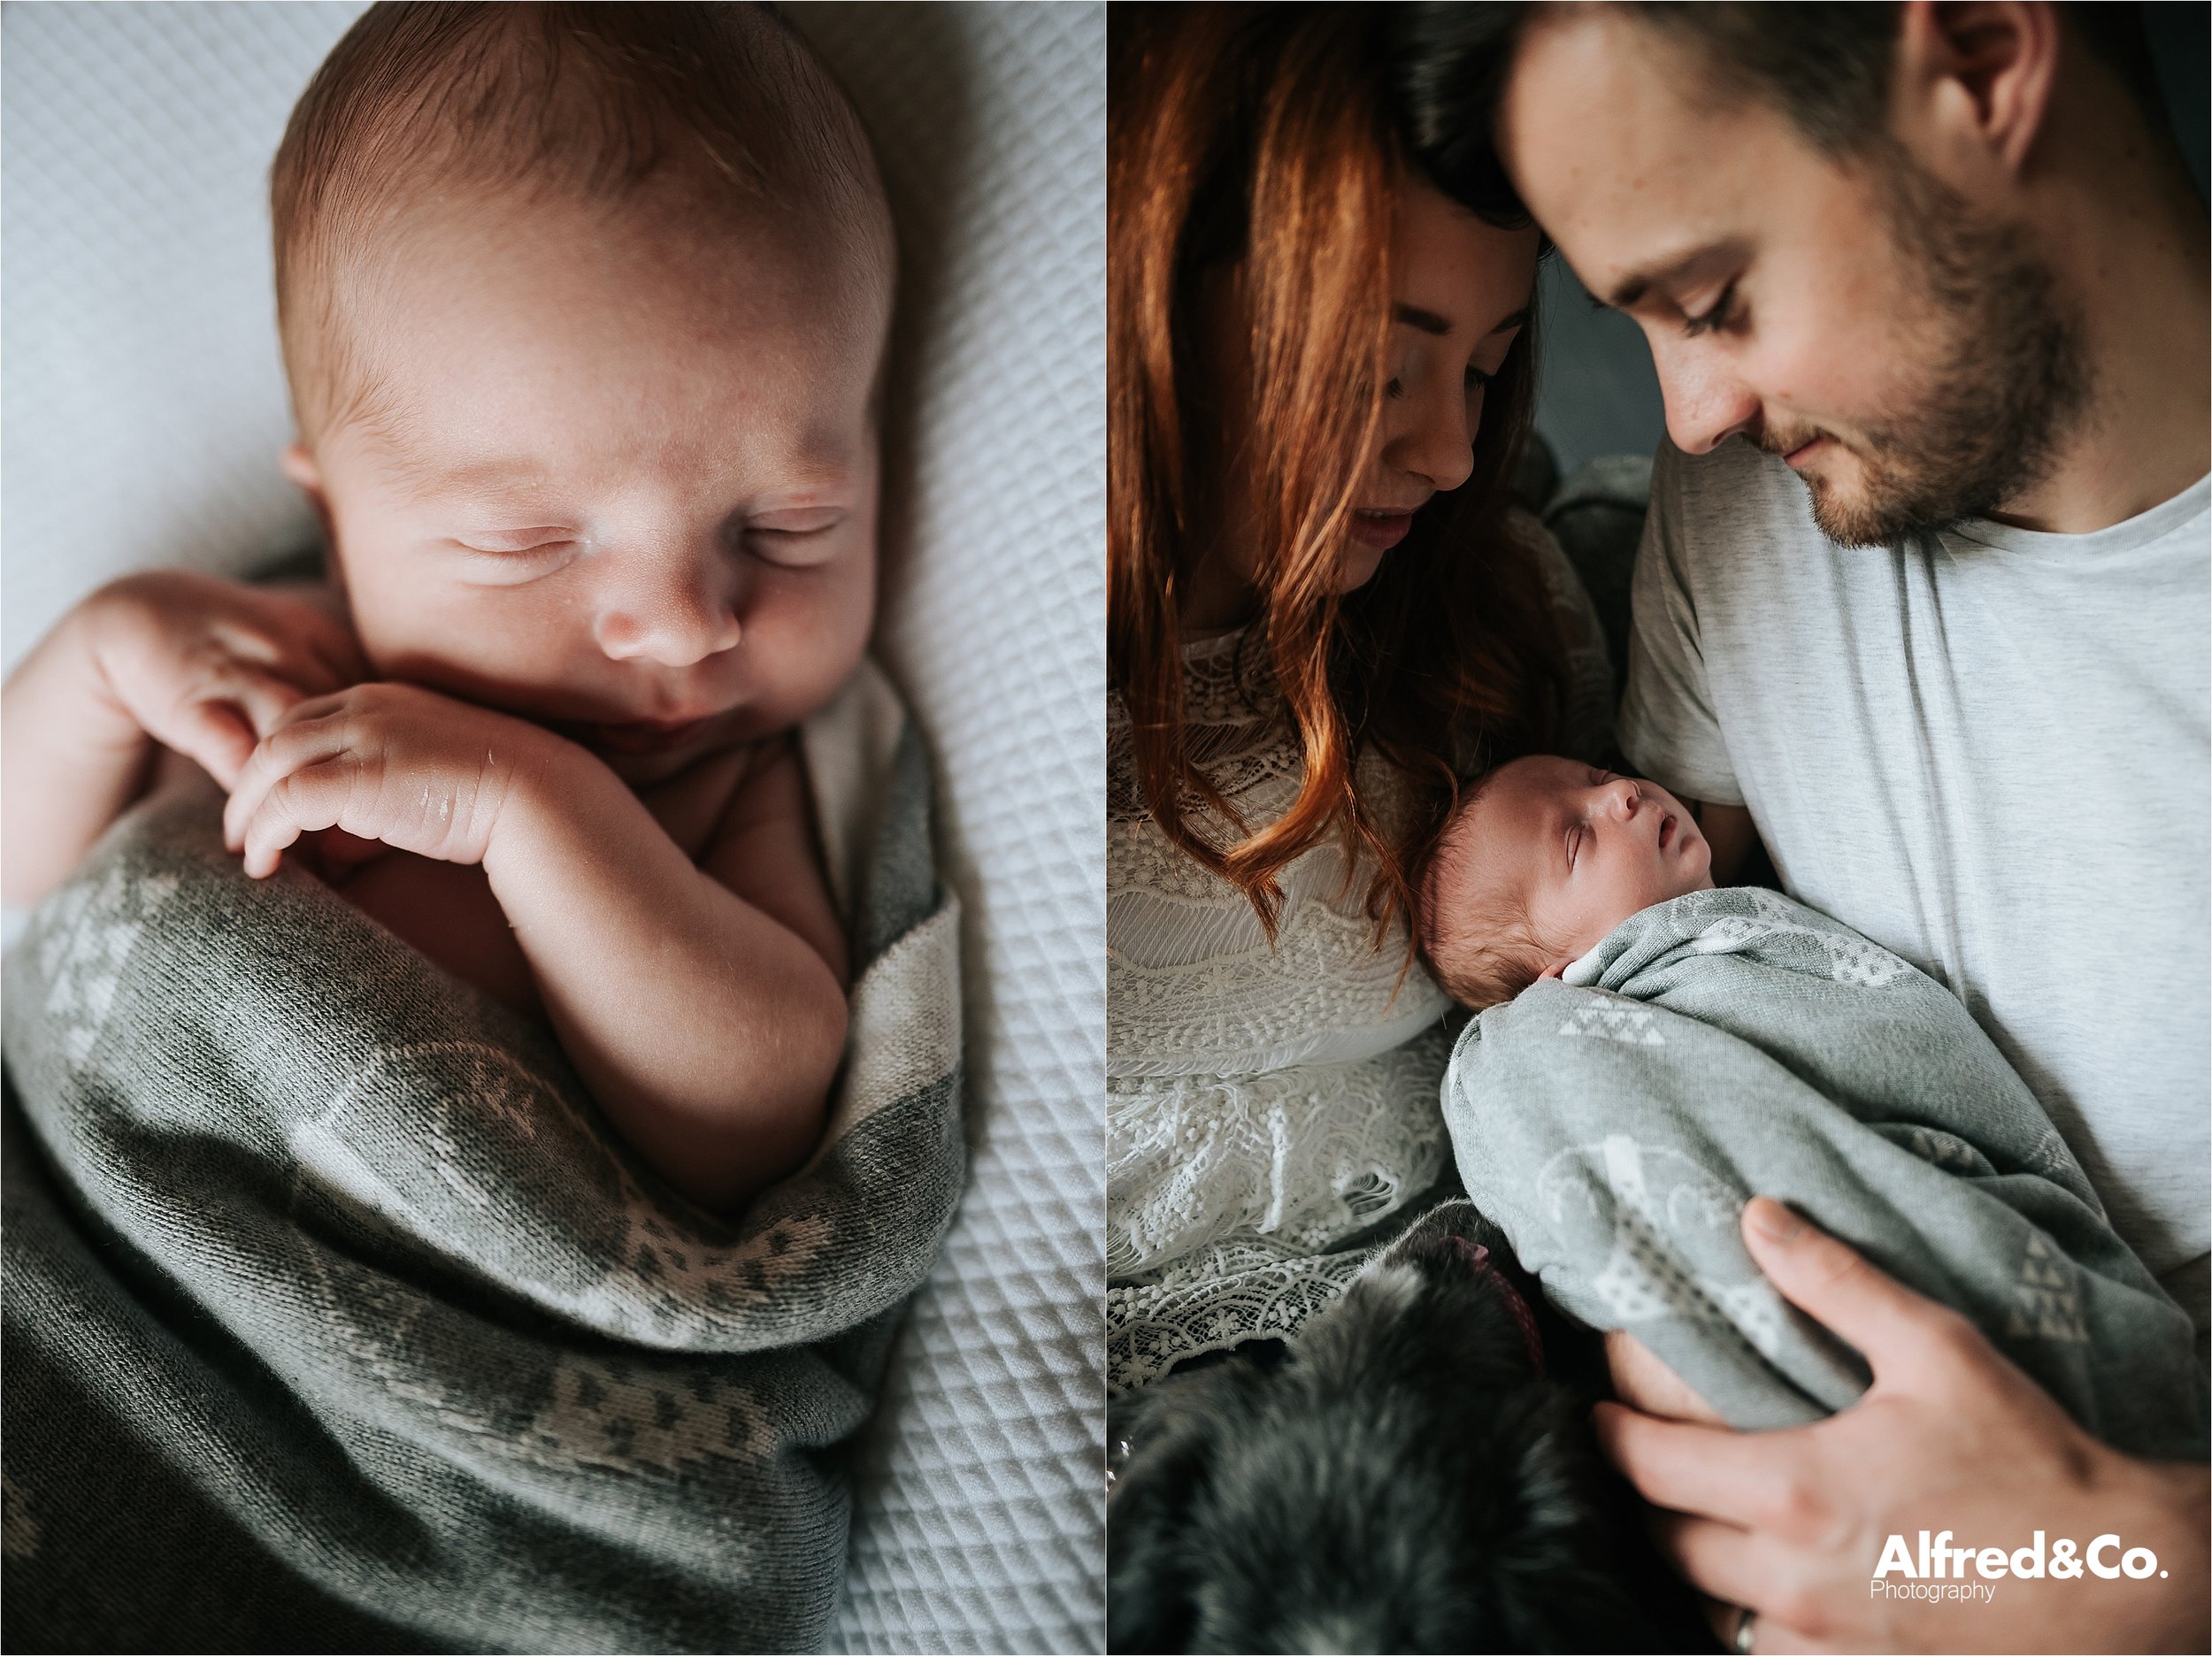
674	619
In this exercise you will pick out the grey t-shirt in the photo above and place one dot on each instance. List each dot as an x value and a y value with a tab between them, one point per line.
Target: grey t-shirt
1990	752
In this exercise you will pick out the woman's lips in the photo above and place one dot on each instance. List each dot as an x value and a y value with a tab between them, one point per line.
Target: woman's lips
1380	530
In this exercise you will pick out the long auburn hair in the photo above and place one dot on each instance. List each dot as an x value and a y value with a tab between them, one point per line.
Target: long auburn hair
1263	135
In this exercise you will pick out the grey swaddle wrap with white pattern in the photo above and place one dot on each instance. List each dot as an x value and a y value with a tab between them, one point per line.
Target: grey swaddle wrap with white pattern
337	1318
1732	1043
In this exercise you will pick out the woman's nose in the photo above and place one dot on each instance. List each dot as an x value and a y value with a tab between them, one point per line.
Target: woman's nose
671	611
1437	443
1707	401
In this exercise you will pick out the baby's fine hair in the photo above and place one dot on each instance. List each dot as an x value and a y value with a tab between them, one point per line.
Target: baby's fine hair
1477	940
719	111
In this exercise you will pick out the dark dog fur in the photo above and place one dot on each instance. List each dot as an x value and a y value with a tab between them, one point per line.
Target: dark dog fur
1401	1477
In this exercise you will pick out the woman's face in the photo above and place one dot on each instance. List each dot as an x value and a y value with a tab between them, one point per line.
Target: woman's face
1461	292
1460	297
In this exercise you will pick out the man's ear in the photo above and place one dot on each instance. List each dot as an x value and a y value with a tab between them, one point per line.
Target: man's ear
1976	78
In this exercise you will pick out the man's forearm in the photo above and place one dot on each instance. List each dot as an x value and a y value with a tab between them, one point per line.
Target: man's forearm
707	1031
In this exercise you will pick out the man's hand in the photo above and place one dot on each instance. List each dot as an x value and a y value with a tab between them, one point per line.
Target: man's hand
409	768
1950	1436
208	667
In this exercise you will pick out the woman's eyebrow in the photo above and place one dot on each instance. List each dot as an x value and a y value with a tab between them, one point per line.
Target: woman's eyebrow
1429	322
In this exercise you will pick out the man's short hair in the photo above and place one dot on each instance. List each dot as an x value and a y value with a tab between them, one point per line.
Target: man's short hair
719	111
1823	64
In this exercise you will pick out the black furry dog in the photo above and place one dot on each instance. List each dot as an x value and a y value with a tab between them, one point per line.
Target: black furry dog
1416	1471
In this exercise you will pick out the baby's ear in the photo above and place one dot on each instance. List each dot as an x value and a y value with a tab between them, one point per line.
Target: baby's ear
1555	969
300	466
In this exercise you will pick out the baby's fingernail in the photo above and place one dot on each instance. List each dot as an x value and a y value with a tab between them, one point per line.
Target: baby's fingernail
1773	1220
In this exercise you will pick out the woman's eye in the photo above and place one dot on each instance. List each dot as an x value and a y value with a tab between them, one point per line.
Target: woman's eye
1396	387
1716	314
1476	378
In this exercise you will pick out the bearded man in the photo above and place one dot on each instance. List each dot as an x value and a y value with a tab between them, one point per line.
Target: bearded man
1922	604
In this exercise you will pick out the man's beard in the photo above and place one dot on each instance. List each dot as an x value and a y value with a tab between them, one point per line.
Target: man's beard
2009	375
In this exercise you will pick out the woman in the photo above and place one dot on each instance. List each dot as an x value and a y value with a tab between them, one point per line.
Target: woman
1323	614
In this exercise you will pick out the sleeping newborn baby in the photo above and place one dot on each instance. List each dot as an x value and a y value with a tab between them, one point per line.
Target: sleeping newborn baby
1650	1052
584	314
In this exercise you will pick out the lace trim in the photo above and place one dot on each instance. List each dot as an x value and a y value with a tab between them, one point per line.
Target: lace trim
1265	1104
1305	1157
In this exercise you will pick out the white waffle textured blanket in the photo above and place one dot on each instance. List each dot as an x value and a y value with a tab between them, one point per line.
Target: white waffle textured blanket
144	409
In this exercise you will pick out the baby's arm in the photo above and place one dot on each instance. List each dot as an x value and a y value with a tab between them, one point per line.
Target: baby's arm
708	1026
705	1006
172	659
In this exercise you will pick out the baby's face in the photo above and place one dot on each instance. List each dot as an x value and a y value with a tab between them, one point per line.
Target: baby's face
619	482
1584	848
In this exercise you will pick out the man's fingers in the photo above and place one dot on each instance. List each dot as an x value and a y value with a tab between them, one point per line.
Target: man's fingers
1897	1331
1741	1478
1740	1567
1769	1637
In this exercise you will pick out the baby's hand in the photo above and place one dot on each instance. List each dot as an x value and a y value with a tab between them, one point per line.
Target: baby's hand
207	666
415	770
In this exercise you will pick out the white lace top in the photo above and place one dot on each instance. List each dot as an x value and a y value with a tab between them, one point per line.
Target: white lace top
1264	1105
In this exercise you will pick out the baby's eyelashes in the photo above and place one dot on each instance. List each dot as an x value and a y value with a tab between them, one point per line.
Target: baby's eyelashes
795	540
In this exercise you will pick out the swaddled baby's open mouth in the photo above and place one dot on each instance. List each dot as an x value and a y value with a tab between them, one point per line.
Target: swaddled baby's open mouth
1666	830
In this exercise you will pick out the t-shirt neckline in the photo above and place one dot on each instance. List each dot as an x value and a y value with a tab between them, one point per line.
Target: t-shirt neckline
2128	536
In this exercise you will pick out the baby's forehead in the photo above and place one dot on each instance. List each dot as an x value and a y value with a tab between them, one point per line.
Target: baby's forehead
1518	797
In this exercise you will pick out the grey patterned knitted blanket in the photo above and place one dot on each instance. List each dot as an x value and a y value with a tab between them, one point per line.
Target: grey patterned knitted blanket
1733	1043
336	1318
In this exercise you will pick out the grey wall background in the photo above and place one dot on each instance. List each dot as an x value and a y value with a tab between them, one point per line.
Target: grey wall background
1598	394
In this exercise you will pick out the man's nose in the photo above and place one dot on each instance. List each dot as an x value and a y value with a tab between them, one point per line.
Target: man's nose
1707	401
673	608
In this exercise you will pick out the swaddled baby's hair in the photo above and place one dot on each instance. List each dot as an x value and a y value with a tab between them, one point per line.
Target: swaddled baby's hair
1476	938
718	115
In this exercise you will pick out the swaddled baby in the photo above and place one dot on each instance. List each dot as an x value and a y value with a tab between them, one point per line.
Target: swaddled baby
1650	1052
584	313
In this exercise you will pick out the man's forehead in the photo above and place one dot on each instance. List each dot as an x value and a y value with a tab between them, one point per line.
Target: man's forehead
1624	147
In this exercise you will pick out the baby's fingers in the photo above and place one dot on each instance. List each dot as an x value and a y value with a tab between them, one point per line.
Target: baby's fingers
294	804
303	738
217	736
